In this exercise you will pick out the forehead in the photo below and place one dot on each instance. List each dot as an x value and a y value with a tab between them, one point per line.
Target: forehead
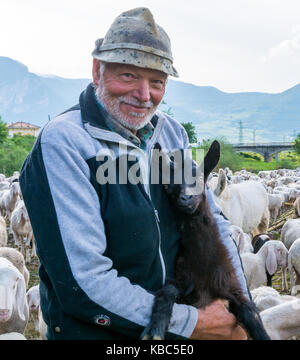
119	68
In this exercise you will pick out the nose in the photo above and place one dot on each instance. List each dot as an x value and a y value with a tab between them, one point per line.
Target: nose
4	315
142	92
185	198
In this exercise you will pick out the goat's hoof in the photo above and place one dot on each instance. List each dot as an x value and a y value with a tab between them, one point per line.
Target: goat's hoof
154	337
146	337
157	337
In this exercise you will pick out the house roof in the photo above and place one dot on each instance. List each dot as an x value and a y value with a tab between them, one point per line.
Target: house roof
22	125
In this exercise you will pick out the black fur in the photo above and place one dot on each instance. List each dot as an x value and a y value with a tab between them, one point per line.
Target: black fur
203	271
257	243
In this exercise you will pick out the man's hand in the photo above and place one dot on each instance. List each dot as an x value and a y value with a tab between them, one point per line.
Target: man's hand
215	322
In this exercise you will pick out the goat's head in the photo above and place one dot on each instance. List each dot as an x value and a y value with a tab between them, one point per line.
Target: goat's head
187	197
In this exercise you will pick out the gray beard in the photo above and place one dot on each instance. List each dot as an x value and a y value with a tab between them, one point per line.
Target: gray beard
112	106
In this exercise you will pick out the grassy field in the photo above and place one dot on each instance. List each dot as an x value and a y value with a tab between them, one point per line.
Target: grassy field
254	162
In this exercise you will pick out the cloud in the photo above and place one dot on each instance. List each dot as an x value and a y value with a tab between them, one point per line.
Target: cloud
287	49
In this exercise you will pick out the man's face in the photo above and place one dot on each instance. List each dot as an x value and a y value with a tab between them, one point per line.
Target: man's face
129	93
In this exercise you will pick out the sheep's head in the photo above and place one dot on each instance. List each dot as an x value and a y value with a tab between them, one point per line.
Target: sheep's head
12	291
187	197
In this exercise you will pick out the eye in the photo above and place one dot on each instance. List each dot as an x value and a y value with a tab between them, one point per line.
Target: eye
127	76
165	186
158	84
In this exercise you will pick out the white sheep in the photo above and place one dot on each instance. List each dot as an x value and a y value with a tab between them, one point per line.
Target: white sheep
42	325
33	300
272	254
12	336
242	240
294	266
4	185
22	231
17	259
3	232
8	199
282	321
265	297
275	204
296	207
244	204
14	312
290	232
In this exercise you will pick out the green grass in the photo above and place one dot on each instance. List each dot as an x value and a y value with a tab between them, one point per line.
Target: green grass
288	160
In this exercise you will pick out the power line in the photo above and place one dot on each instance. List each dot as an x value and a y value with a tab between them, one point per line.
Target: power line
241	138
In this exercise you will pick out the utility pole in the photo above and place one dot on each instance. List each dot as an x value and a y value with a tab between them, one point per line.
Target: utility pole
254	130
241	132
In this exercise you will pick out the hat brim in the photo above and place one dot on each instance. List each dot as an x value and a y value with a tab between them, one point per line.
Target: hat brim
137	58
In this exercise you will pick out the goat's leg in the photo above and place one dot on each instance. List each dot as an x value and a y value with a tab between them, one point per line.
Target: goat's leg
161	313
248	316
264	222
269	279
284	279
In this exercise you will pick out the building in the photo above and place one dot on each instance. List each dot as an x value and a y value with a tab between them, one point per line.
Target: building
22	128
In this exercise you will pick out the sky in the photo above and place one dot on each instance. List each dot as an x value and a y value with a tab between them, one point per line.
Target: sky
234	45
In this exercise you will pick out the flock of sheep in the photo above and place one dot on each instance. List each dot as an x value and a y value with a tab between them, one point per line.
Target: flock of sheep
17	301
251	203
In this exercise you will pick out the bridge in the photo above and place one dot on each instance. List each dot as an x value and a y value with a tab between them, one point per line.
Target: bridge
267	150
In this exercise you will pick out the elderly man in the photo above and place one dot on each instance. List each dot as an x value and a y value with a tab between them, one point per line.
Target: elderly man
105	246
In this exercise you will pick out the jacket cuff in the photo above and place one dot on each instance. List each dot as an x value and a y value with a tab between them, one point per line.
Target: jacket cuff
183	321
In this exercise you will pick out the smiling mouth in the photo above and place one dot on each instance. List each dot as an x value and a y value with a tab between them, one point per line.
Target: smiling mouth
137	107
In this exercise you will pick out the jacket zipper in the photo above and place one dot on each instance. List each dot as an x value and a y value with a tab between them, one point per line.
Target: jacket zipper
147	192
158	227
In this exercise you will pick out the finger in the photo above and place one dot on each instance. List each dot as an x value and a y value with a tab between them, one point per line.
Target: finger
239	333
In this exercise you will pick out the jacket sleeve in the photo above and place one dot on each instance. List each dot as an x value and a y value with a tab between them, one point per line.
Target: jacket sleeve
65	214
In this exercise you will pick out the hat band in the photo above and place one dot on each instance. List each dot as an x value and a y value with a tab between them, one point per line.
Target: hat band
144	48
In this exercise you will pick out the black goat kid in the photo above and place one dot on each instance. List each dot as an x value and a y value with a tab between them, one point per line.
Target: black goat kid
204	272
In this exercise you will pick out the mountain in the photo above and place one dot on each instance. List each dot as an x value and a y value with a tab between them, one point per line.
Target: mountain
25	96
29	97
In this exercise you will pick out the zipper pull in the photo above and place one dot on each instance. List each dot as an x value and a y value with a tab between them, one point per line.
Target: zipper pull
156	214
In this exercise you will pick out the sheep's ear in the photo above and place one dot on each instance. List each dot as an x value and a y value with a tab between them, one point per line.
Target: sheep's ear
211	159
22	306
271	261
222	182
240	244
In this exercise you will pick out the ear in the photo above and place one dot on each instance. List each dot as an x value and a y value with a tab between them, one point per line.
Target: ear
211	159
22	306
240	242
96	72
222	182
271	261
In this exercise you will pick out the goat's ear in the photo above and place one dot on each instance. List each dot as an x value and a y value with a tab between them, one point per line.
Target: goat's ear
211	159
271	260
222	182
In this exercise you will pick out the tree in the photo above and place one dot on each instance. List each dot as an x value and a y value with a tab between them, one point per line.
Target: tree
191	131
297	144
3	131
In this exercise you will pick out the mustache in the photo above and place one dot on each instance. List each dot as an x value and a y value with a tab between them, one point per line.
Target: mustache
136	102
